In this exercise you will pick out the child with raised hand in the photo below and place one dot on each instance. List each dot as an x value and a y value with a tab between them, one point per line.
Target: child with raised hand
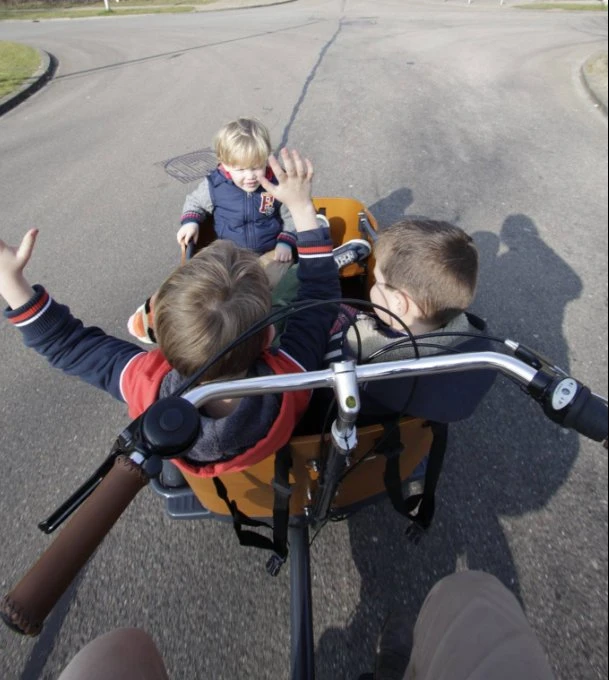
238	193
202	307
244	211
425	274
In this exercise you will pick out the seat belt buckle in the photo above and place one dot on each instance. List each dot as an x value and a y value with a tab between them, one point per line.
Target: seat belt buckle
274	564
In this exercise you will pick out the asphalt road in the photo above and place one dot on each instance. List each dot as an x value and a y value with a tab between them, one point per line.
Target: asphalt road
472	113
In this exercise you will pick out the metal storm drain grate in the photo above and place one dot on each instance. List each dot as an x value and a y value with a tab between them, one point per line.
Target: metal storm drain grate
191	166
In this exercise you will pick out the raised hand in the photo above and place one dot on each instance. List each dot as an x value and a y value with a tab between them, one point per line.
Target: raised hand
13	259
294	187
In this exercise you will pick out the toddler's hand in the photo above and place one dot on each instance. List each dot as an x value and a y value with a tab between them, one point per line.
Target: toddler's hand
188	232
283	253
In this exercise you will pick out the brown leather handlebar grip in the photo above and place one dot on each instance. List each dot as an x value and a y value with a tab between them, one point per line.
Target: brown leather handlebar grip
26	607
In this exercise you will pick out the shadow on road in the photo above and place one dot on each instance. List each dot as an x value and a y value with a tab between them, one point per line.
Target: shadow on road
506	461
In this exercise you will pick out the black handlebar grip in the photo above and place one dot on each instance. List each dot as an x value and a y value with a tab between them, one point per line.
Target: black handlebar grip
588	415
26	607
190	249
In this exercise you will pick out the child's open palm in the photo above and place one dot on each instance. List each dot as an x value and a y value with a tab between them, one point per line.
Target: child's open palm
13	260
293	187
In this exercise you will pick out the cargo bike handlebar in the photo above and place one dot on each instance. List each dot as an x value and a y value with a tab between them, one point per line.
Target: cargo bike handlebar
170	427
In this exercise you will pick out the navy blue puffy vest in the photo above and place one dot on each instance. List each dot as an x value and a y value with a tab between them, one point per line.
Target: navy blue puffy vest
250	220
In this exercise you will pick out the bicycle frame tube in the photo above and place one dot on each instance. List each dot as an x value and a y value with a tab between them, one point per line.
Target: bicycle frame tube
344	439
302	657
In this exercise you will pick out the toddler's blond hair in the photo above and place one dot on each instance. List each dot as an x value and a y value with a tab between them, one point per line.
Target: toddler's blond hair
244	143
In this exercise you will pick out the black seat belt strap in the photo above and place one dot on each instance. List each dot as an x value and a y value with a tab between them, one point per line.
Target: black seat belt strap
246	537
281	514
392	448
281	509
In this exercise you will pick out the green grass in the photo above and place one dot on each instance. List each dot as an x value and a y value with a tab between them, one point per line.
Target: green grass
572	6
99	4
40	10
17	64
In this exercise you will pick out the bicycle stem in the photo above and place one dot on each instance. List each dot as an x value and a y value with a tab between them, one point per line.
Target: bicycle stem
344	439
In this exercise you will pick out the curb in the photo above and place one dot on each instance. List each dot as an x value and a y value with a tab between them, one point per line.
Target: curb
211	8
48	65
589	84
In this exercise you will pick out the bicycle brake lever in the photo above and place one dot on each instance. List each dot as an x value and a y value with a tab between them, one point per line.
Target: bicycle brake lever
122	446
532	357
167	429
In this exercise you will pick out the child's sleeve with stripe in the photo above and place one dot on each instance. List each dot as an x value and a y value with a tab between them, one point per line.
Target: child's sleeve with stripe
83	351
306	333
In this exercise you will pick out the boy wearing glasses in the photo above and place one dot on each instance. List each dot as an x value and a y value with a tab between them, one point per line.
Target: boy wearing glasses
425	277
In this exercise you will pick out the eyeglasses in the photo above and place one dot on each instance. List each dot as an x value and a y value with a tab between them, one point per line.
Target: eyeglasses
387	285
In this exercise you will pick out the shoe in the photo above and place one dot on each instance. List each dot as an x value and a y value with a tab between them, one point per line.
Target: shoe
322	221
352	251
141	324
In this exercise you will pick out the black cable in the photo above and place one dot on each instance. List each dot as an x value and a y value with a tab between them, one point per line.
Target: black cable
272	317
316	534
400	342
464	334
352	324
404	341
411	338
299	306
269	319
434	345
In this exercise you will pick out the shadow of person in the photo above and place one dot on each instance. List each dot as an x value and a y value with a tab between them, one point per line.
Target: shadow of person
392	208
505	461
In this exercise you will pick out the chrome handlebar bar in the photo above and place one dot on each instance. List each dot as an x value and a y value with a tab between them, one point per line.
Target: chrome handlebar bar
507	365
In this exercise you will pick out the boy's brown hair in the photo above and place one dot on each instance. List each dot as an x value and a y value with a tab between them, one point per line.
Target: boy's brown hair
435	263
243	142
206	304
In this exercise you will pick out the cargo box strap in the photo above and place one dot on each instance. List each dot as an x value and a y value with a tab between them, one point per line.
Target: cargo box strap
392	448
281	514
